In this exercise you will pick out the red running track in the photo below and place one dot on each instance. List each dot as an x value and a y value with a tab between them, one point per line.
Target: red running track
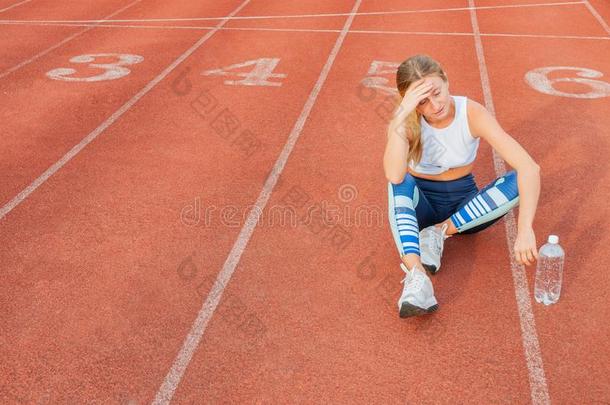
109	262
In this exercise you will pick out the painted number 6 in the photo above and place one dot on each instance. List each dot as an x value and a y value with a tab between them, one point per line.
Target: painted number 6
539	80
113	71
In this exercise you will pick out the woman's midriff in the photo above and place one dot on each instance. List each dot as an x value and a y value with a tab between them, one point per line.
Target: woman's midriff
451	174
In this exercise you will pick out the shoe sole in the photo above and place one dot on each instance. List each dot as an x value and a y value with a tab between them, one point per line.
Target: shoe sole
407	310
430	268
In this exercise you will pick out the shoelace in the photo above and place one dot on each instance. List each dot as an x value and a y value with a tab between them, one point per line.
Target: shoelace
418	280
435	242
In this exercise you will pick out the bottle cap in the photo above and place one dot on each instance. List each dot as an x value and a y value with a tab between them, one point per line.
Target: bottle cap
553	239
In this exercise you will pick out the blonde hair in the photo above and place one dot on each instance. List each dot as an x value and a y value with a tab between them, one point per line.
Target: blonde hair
413	69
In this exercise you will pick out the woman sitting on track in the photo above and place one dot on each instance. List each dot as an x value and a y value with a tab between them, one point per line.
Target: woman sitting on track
432	144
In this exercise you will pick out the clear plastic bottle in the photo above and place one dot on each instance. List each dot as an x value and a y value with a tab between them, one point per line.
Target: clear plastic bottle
549	272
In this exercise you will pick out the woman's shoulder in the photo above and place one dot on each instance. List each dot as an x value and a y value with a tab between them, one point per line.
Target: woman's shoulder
472	105
464	100
475	111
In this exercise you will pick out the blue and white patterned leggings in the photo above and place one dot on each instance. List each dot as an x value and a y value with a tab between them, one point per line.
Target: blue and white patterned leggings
417	203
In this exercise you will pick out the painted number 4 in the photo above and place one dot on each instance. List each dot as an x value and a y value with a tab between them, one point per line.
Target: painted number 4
111	70
259	75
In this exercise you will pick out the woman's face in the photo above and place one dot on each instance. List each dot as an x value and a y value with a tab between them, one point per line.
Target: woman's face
437	106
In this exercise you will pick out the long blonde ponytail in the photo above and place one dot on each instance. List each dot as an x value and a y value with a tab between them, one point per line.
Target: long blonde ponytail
415	145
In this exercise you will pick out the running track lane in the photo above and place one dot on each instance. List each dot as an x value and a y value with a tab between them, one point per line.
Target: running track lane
37	41
32	122
33	40
330	335
481	158
101	269
307	364
288	8
569	137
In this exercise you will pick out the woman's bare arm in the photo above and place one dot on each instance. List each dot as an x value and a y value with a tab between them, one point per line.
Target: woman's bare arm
483	124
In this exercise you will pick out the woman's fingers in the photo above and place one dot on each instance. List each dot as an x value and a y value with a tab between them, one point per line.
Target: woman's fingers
424	85
519	256
426	90
418	85
526	257
530	257
535	252
423	91
414	85
416	92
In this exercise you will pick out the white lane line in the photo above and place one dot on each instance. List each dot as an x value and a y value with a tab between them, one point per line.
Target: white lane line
104	125
14	5
66	40
166	391
597	16
542	36
470	34
169	27
538	387
371	13
202	28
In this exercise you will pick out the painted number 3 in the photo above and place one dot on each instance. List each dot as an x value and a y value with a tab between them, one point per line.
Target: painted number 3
112	70
539	80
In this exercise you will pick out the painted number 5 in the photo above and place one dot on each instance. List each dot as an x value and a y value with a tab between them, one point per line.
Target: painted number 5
539	80
112	71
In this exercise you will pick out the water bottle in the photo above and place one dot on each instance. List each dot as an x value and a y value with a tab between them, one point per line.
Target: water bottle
549	272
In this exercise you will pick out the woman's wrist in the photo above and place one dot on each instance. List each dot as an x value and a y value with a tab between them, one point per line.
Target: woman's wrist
524	226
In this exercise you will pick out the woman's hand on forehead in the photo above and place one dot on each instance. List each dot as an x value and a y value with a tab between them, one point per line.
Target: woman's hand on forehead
421	82
430	80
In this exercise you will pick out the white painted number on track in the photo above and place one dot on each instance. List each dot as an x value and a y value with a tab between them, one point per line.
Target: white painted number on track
539	80
377	76
113	71
258	76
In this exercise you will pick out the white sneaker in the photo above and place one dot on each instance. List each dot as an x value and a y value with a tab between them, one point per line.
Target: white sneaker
431	243
417	294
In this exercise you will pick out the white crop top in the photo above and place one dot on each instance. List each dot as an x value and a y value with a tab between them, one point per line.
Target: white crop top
449	147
